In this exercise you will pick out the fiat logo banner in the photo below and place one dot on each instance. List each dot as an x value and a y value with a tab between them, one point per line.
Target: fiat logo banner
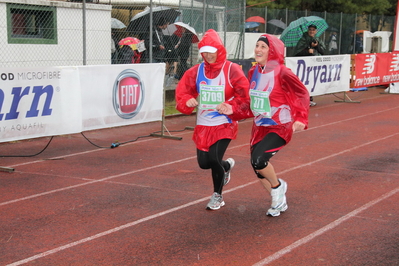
128	94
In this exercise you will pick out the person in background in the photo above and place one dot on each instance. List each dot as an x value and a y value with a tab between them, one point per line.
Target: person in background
158	44
333	44
310	45
125	55
280	106
183	51
114	48
359	42
206	86
171	56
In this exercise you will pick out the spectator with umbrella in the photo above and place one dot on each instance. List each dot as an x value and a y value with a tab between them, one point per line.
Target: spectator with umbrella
187	37
295	31
303	34
158	43
140	25
129	53
310	45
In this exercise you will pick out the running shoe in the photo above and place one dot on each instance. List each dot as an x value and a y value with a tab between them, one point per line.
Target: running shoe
312	104
276	212
279	200
216	202
227	174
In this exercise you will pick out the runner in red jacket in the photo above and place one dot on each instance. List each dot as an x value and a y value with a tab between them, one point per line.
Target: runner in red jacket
280	106
206	86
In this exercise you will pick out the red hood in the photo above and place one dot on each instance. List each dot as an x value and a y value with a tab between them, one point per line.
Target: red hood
211	38
276	49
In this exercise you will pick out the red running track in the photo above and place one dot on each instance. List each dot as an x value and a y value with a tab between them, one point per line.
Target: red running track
143	203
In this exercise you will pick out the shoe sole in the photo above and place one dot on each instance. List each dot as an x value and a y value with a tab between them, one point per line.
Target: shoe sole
217	208
282	209
227	180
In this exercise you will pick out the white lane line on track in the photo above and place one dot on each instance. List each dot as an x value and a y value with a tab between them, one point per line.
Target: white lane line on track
245	121
182	160
95	181
324	229
271	258
349	119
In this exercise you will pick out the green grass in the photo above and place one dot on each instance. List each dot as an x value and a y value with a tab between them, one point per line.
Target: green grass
170	108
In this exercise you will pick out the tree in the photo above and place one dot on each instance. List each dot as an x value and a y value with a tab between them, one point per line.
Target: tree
375	7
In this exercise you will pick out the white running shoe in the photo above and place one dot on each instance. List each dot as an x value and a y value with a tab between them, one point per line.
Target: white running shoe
279	200
227	174
216	202
276	212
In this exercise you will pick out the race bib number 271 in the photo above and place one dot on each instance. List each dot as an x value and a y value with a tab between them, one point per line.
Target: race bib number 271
260	104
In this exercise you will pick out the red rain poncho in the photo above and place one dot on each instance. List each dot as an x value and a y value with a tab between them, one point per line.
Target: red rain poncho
236	92
288	93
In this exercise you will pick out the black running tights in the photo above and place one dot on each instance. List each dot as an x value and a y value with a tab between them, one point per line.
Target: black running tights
213	159
262	151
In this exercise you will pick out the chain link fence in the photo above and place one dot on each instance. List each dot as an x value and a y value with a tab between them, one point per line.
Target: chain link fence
59	33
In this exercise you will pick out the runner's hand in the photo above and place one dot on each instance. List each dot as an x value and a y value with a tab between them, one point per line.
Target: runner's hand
192	103
298	126
225	109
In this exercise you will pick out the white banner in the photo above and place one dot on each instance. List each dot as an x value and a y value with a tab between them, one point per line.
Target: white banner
322	74
49	101
121	94
39	102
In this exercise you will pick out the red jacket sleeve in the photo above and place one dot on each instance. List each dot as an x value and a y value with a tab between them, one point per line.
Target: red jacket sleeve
240	103
186	89
245	111
297	95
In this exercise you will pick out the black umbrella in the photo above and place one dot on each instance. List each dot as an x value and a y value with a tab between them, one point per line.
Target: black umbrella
141	21
332	29
277	23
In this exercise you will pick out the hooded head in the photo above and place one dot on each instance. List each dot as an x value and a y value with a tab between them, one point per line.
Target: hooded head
212	43
276	48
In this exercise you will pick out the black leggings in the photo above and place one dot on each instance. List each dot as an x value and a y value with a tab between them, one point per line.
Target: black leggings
262	151
213	160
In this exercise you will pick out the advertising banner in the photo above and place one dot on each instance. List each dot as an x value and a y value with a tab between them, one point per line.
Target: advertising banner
121	95
376	69
322	74
38	102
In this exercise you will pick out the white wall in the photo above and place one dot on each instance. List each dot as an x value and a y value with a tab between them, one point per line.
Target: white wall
69	49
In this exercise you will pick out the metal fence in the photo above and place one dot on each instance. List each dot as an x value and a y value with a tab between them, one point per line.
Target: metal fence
347	26
47	33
